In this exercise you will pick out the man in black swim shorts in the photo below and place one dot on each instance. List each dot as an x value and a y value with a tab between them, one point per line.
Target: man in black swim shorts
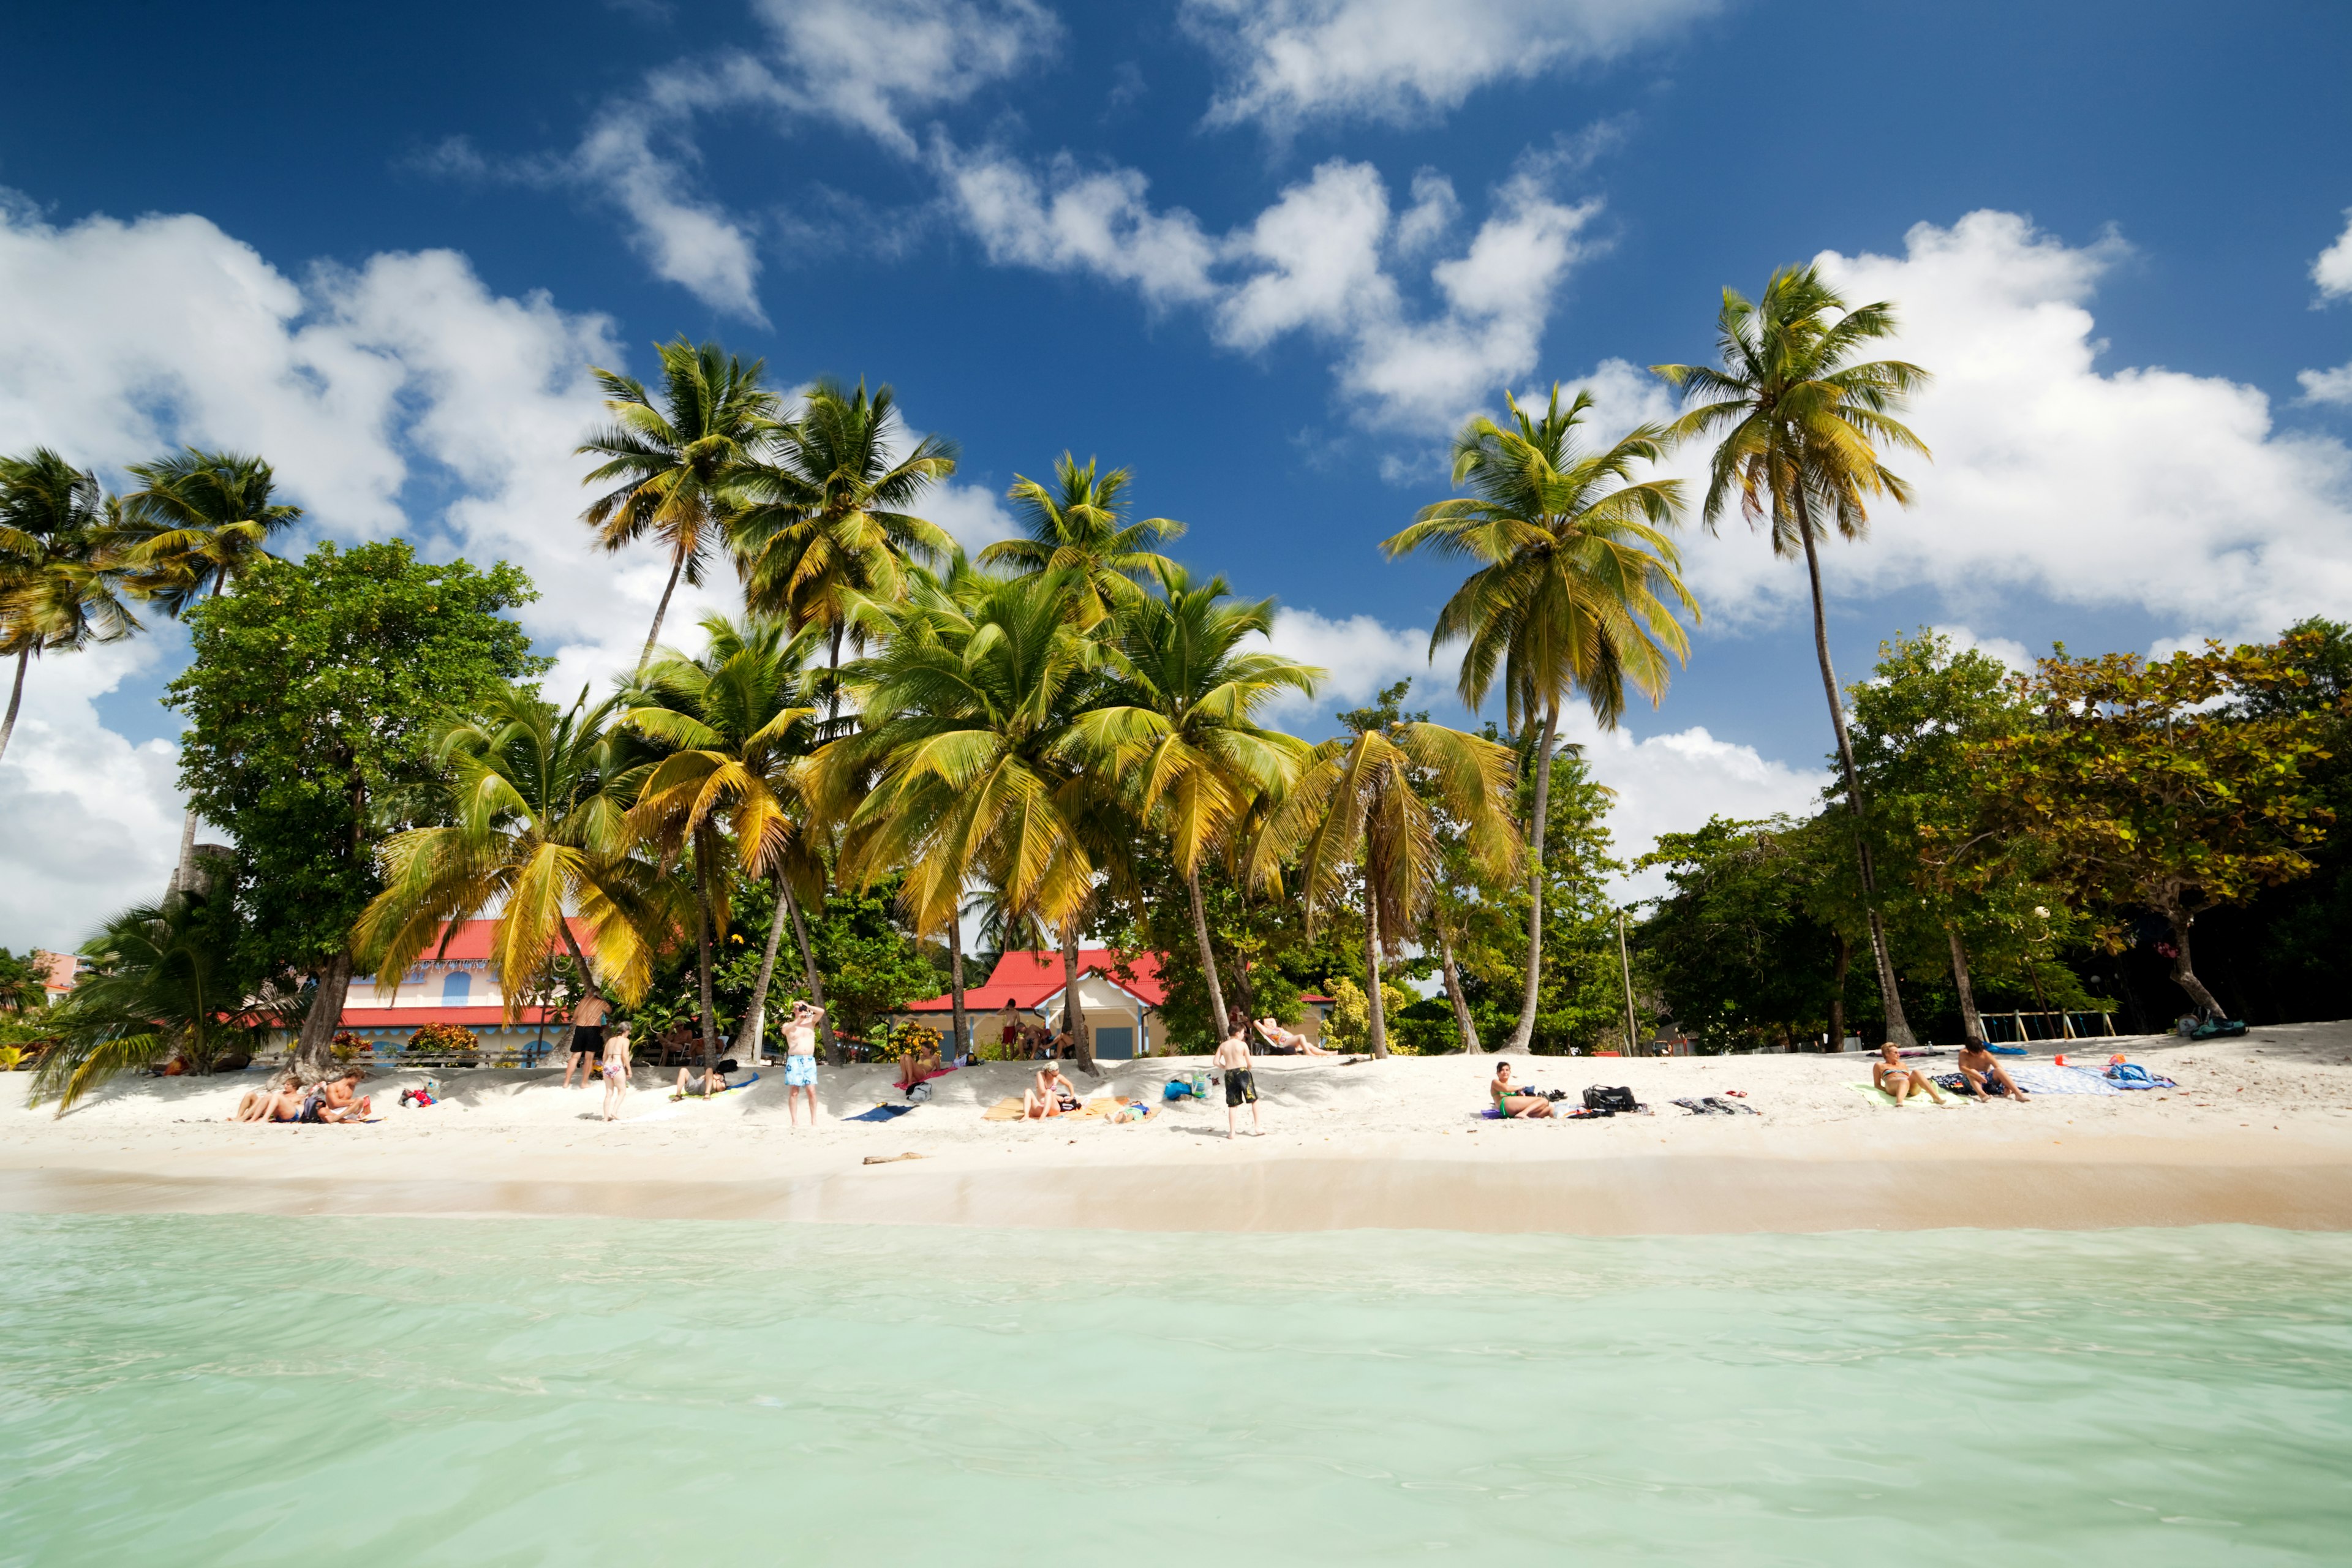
1233	1058
587	1039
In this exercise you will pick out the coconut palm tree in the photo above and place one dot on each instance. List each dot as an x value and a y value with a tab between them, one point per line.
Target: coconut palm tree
984	767
538	823
198	524
1188	696
737	725
61	576
1355	817
1577	589
829	513
672	467
1797	424
1078	527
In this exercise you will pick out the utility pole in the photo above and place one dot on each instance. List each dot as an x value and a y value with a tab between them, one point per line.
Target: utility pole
1625	968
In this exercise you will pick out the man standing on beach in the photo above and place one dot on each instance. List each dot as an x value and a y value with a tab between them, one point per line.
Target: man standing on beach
800	1060
587	1037
1233	1058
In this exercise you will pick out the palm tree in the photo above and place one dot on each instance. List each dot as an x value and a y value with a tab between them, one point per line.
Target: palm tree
61	577
672	467
199	522
538	804
1080	528
1800	425
738	724
985	768
164	982
1577	589
1357	807
1198	759
827	515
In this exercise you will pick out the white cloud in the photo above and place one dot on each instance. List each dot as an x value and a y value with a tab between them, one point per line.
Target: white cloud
1078	220
871	64
2008	650
2141	487
1673	783
2332	269
688	241
1360	654
1286	62
973	517
2328	385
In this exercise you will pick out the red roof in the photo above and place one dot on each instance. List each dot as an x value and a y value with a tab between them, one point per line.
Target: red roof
491	1018
473	941
1025	979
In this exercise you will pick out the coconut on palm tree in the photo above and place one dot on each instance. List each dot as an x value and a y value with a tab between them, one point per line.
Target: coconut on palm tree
538	825
61	575
1362	818
1798	423
1195	756
736	726
1078	527
1577	589
672	467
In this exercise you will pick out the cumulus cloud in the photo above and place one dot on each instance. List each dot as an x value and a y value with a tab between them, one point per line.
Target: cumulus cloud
1287	62
1360	655
975	517
874	64
2332	270
1673	783
1071	219
2054	474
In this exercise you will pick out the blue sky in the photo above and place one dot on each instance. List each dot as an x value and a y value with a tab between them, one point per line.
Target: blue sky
1267	255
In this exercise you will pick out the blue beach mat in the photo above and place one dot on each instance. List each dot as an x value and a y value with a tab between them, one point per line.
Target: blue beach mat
880	1113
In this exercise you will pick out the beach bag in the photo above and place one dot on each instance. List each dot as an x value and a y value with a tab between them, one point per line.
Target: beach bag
1610	1101
920	1091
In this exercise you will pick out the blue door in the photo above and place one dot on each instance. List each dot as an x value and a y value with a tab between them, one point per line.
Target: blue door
1116	1045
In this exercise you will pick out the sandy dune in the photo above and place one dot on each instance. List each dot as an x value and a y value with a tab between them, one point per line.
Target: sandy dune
2259	1131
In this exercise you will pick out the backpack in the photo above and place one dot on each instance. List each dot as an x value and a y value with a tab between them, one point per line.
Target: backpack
1610	1101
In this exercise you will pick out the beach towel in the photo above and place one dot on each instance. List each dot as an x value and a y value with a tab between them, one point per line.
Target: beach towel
2048	1078
880	1113
1883	1097
2131	1075
2006	1050
1006	1110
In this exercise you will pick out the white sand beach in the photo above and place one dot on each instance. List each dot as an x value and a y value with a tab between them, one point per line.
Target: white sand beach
2260	1130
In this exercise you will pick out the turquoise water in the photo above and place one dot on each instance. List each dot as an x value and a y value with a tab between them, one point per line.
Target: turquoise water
230	1390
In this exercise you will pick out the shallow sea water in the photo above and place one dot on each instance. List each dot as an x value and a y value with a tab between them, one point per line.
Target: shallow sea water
248	1390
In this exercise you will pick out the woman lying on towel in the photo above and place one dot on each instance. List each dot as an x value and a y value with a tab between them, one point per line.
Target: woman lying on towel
1891	1075
920	1062
1287	1043
1053	1095
1509	1101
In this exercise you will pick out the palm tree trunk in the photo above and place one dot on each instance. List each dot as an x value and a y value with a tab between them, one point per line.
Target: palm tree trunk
1898	1028
1837	996
183	874
1208	957
816	982
314	1050
1461	1019
955	981
16	697
1523	1030
832	683
2183	975
1377	1024
755	1016
704	921
1074	1013
572	943
676	565
1971	1026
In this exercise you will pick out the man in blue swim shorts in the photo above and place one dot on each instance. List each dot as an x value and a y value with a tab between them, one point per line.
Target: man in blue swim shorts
800	1060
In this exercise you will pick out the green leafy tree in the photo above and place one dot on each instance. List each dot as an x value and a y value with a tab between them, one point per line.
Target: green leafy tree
1798	423
1077	526
313	704
872	962
62	580
1576	590
24	981
2175	786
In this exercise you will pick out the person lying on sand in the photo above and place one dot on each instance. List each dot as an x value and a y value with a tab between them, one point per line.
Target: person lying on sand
339	1103
1282	1040
279	1101
1891	1074
1052	1095
1986	1078
919	1064
704	1084
1509	1101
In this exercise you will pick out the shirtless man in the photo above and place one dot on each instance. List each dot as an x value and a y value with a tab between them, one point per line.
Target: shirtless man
280	1101
1510	1102
340	1106
1985	1077
1233	1058
1051	1095
587	1039
800	1060
1283	1039
1893	1075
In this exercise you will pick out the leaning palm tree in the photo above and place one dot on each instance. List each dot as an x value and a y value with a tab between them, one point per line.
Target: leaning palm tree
537	822
1355	816
1197	758
737	725
828	514
1800	426
198	522
61	577
1078	527
977	764
671	467
1576	590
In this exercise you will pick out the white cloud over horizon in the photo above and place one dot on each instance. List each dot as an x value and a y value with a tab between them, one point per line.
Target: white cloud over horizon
2332	270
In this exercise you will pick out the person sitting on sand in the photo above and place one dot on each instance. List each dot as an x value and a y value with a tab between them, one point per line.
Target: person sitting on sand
1510	1102
1233	1058
704	1084
618	1067
343	1100
1051	1095
1891	1075
1282	1039
920	1062
279	1101
1986	1078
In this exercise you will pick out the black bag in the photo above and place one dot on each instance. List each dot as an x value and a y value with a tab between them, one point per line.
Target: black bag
1610	1101
728	1066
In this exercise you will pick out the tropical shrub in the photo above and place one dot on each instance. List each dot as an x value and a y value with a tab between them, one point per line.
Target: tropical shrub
453	1040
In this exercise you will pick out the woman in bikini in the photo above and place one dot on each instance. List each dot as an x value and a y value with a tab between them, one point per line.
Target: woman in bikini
1282	1039
1509	1101
1053	1095
1892	1075
618	1067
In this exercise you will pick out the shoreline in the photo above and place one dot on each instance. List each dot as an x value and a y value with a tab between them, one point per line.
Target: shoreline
2260	1132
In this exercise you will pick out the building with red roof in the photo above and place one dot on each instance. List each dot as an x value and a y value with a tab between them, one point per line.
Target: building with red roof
454	984
1121	998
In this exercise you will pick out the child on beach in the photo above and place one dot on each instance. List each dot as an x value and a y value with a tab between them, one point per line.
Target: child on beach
1233	1058
800	1060
618	1066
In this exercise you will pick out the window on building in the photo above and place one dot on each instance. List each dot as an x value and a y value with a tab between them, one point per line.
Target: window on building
456	987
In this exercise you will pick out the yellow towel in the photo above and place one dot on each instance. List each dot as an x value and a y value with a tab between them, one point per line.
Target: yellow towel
1006	1110
1881	1097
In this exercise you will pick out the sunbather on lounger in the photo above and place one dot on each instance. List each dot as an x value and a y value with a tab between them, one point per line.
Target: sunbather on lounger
1282	1039
279	1101
919	1064
1986	1078
1052	1095
1509	1101
1891	1074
